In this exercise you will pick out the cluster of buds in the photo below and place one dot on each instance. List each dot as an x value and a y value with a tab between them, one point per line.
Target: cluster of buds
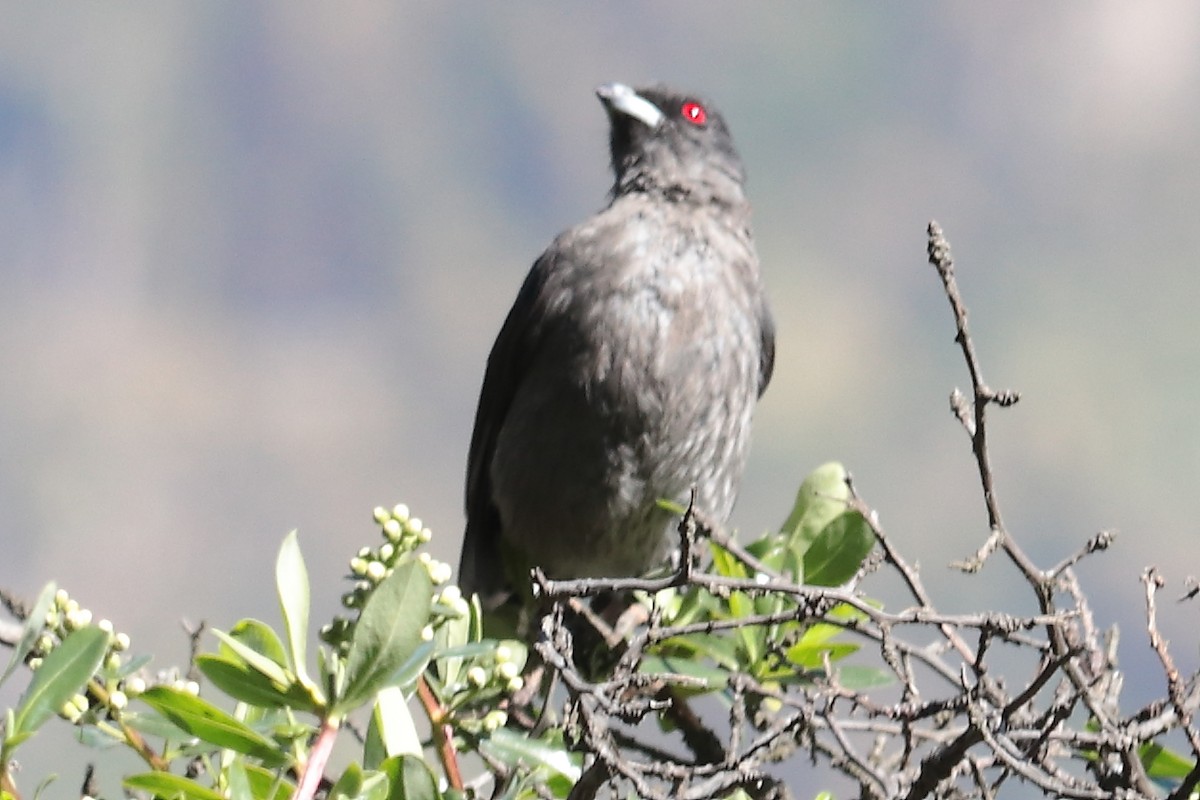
403	534
503	672
114	686
489	676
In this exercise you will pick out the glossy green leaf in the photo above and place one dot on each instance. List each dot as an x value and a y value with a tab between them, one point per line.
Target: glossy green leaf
513	748
721	649
812	655
392	731
261	638
410	779
234	649
712	678
152	724
354	784
859	678
62	674
127	667
205	721
267	784
291	581
838	550
821	497
387	634
34	623
452	634
164	784
1163	764
243	683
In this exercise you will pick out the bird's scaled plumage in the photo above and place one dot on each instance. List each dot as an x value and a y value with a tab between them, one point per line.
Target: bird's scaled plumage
627	369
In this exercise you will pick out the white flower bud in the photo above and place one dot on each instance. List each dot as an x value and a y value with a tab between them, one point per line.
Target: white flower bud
477	676
392	529
508	670
450	595
427	633
381	514
69	712
376	571
440	572
495	720
515	684
400	512
78	618
134	686
118	700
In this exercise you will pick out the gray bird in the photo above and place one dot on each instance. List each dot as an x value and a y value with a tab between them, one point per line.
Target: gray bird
628	367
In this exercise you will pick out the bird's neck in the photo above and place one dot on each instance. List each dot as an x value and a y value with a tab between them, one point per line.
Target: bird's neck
714	190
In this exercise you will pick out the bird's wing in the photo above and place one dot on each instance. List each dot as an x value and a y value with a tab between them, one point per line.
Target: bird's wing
481	568
766	352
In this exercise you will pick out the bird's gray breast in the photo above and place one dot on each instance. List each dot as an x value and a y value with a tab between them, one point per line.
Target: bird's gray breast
641	387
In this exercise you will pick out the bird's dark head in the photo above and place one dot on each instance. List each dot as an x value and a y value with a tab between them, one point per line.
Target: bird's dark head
668	141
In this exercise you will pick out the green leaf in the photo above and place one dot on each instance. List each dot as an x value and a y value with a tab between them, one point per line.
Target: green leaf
726	565
31	629
266	784
127	667
451	635
1163	764
391	731
816	642
408	672
244	683
62	674
714	678
291	580
410	779
513	749
859	678
721	649
207	722
838	550
233	649
821	497
164	784
354	784
261	638
812	656
386	635
152	724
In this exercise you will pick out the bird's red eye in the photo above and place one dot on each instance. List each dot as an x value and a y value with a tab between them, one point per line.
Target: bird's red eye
694	113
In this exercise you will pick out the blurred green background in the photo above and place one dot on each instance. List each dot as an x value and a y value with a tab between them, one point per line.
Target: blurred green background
253	256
